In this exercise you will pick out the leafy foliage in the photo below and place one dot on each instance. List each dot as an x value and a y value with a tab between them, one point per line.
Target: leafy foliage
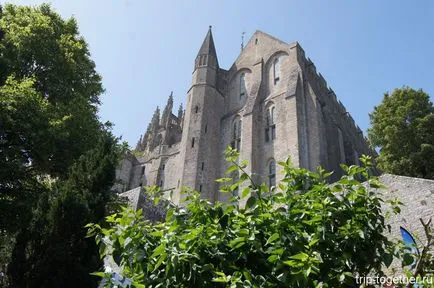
55	239
306	233
403	129
57	161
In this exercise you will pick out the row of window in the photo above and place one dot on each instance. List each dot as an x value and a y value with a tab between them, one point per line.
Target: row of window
270	129
276	78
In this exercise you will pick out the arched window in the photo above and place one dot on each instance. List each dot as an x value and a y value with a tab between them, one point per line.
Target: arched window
272	173
270	125
276	70
242	86
236	134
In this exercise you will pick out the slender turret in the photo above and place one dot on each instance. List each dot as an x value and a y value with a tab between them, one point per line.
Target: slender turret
200	152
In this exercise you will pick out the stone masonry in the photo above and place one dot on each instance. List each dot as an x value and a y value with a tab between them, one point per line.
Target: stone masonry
270	104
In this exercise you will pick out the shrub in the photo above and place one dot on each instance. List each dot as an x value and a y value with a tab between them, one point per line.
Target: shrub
303	233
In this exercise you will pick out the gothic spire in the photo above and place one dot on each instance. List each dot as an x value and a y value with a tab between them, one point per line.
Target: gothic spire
155	122
180	112
208	49
139	144
167	110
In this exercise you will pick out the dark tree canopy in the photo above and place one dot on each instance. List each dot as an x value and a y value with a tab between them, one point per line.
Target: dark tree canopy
403	130
57	160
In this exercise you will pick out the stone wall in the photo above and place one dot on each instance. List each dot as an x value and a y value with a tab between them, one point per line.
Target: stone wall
418	197
138	199
312	126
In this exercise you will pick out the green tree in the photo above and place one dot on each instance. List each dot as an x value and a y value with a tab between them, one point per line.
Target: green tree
49	93
306	233
56	158
59	253
402	127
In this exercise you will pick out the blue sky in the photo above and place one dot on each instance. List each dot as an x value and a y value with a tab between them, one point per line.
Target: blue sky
145	49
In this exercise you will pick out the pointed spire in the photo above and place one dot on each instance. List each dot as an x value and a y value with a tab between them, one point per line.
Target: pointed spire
167	112
139	144
155	122
180	112
207	48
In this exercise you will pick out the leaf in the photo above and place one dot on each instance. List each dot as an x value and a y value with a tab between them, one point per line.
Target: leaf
272	238
273	258
278	251
251	202
223	180
221	280
245	192
160	261
231	169
99	274
236	242
387	259
300	256
313	242
157	233
159	250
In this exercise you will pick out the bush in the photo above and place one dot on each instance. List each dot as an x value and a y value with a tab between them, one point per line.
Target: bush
303	233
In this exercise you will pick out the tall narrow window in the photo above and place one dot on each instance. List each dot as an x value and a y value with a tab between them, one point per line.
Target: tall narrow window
196	109
143	170
200	188
236	134
192	142
272	173
206	128
270	127
242	86
276	71
202	166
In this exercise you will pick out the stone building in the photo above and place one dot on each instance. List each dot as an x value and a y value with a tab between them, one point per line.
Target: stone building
270	104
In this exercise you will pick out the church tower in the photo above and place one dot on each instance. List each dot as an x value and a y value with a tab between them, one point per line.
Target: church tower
200	145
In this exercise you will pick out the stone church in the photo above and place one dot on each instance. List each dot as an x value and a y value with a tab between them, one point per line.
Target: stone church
270	104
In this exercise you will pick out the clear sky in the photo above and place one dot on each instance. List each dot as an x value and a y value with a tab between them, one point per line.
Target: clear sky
145	49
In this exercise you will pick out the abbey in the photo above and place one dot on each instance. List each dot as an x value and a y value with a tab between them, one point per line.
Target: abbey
270	104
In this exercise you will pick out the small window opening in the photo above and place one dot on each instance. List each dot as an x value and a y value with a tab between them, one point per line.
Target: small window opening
276	71
200	188
196	109
202	166
143	170
162	167
256	41
236	135
206	128
161	183
192	142
242	86
270	128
